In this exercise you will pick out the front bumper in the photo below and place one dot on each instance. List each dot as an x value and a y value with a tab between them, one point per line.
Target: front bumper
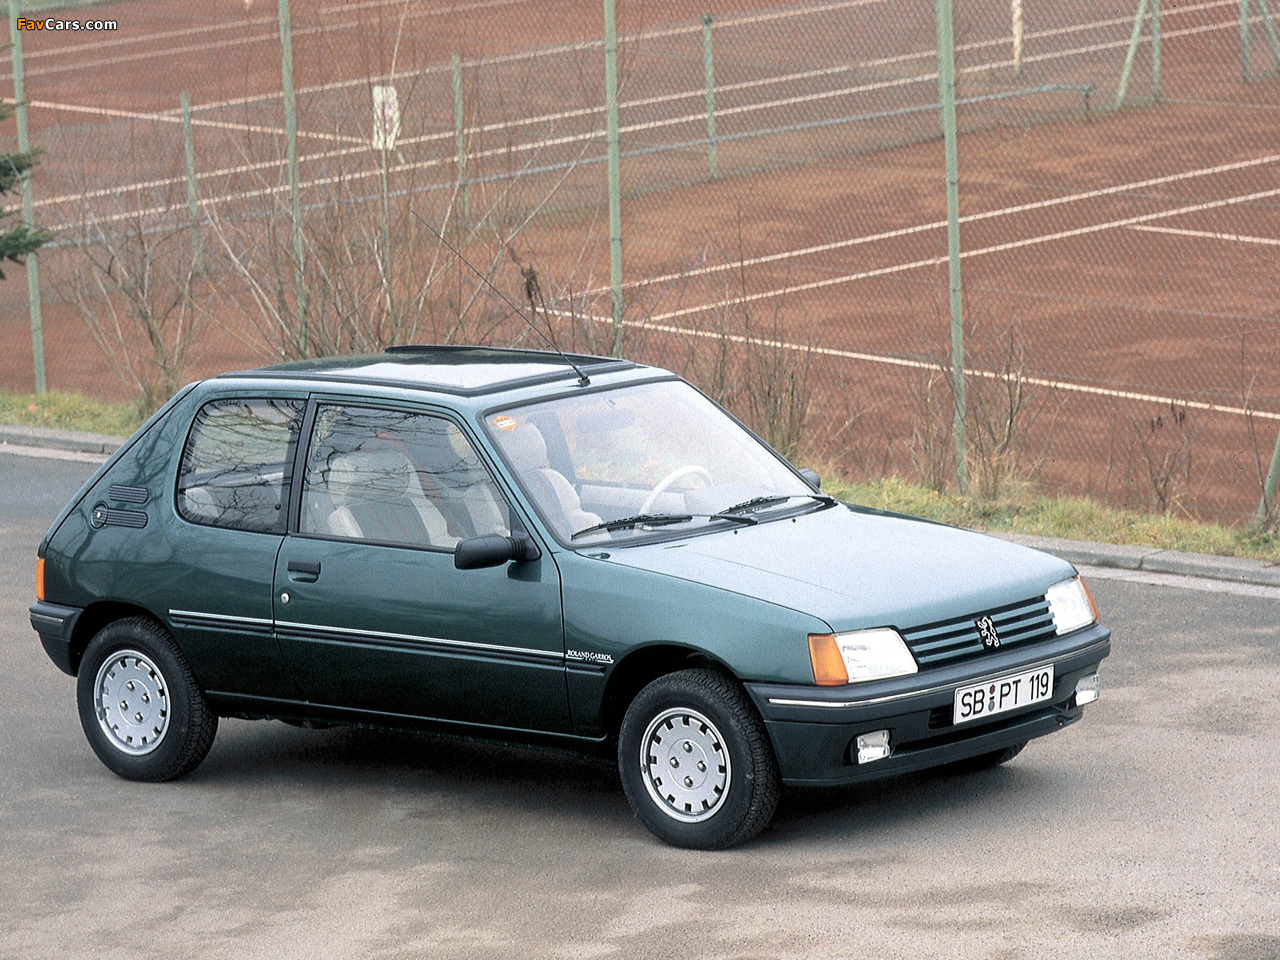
55	624
813	728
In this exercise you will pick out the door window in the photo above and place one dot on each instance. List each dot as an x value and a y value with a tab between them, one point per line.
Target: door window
397	477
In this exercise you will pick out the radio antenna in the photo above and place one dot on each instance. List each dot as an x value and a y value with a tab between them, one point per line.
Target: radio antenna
583	379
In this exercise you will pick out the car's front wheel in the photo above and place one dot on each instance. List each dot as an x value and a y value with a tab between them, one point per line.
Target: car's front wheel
696	762
140	705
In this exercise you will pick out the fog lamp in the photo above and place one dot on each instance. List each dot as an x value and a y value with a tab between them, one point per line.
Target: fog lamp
1087	690
873	746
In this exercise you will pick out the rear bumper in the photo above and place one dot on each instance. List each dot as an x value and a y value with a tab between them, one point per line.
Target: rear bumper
814	728
55	624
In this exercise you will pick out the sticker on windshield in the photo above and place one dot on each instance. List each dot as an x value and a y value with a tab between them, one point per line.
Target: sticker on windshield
503	422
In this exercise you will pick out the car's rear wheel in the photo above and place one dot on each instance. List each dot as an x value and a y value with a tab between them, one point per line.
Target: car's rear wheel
696	762
140	706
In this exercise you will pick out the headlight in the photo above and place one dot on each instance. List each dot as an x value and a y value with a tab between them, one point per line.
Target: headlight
1070	605
859	655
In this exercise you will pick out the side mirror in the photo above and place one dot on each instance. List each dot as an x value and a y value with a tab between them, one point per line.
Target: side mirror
494	550
812	477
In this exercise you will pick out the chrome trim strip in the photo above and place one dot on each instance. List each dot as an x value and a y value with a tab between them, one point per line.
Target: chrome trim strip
45	618
781	702
312	628
219	617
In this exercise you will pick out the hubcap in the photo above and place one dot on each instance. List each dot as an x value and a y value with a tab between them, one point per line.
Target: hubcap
132	703
685	765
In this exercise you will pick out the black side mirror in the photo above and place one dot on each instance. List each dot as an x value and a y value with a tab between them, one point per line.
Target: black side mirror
812	477
494	550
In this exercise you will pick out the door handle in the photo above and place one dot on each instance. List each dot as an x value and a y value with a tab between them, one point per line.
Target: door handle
304	571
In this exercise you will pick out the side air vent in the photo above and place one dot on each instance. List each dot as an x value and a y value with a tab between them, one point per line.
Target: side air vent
122	494
104	516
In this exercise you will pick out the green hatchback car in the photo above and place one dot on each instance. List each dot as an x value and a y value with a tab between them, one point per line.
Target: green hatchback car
575	551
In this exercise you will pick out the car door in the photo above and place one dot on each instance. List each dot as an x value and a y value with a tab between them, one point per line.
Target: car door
371	613
214	569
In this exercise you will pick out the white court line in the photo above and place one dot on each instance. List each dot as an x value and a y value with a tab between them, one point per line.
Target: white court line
803	75
885	360
981	251
507	58
968	218
195	122
560	141
487	128
1270	241
81	66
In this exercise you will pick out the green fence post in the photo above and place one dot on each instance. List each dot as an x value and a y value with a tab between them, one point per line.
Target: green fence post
193	203
1155	48
28	217
947	98
1270	28
615	190
1269	486
1133	49
1244	41
291	153
708	68
460	134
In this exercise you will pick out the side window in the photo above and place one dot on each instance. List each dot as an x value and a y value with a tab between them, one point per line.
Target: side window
399	478
237	464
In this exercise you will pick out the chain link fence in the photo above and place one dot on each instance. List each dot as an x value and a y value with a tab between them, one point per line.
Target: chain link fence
784	226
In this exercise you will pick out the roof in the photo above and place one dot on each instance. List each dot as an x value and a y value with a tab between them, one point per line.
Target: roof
466	370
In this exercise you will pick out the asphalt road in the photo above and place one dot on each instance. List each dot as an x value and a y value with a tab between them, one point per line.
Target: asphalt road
1150	829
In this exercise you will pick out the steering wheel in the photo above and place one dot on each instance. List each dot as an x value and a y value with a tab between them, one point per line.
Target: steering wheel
669	479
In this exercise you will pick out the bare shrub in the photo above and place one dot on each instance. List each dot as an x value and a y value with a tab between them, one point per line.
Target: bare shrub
137	281
932	443
997	416
1000	414
777	385
753	367
1166	443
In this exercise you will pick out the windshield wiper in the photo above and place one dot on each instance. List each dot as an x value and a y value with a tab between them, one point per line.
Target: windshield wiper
643	519
662	519
759	503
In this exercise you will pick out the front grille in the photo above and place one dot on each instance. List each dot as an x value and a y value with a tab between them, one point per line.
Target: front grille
947	641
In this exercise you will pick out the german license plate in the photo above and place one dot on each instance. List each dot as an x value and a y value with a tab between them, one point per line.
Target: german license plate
1003	694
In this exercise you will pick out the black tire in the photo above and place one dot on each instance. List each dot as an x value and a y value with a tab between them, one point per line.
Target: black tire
986	761
729	787
140	706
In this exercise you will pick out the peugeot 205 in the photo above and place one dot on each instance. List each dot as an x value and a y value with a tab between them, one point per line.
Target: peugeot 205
565	550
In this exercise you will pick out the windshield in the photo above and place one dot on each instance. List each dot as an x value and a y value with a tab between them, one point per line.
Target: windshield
619	464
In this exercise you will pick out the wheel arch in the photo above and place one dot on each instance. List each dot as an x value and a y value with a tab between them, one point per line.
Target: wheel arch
640	668
98	615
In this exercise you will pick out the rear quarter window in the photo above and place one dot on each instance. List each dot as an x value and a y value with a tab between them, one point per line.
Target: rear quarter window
237	464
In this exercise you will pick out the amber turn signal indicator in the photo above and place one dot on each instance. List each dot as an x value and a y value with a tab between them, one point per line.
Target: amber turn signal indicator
1089	596
828	665
40	579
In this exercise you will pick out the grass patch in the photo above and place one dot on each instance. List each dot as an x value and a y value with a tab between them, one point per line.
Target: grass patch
69	411
1073	518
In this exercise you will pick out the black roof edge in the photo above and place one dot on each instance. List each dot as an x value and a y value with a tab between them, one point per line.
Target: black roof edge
429	348
609	365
